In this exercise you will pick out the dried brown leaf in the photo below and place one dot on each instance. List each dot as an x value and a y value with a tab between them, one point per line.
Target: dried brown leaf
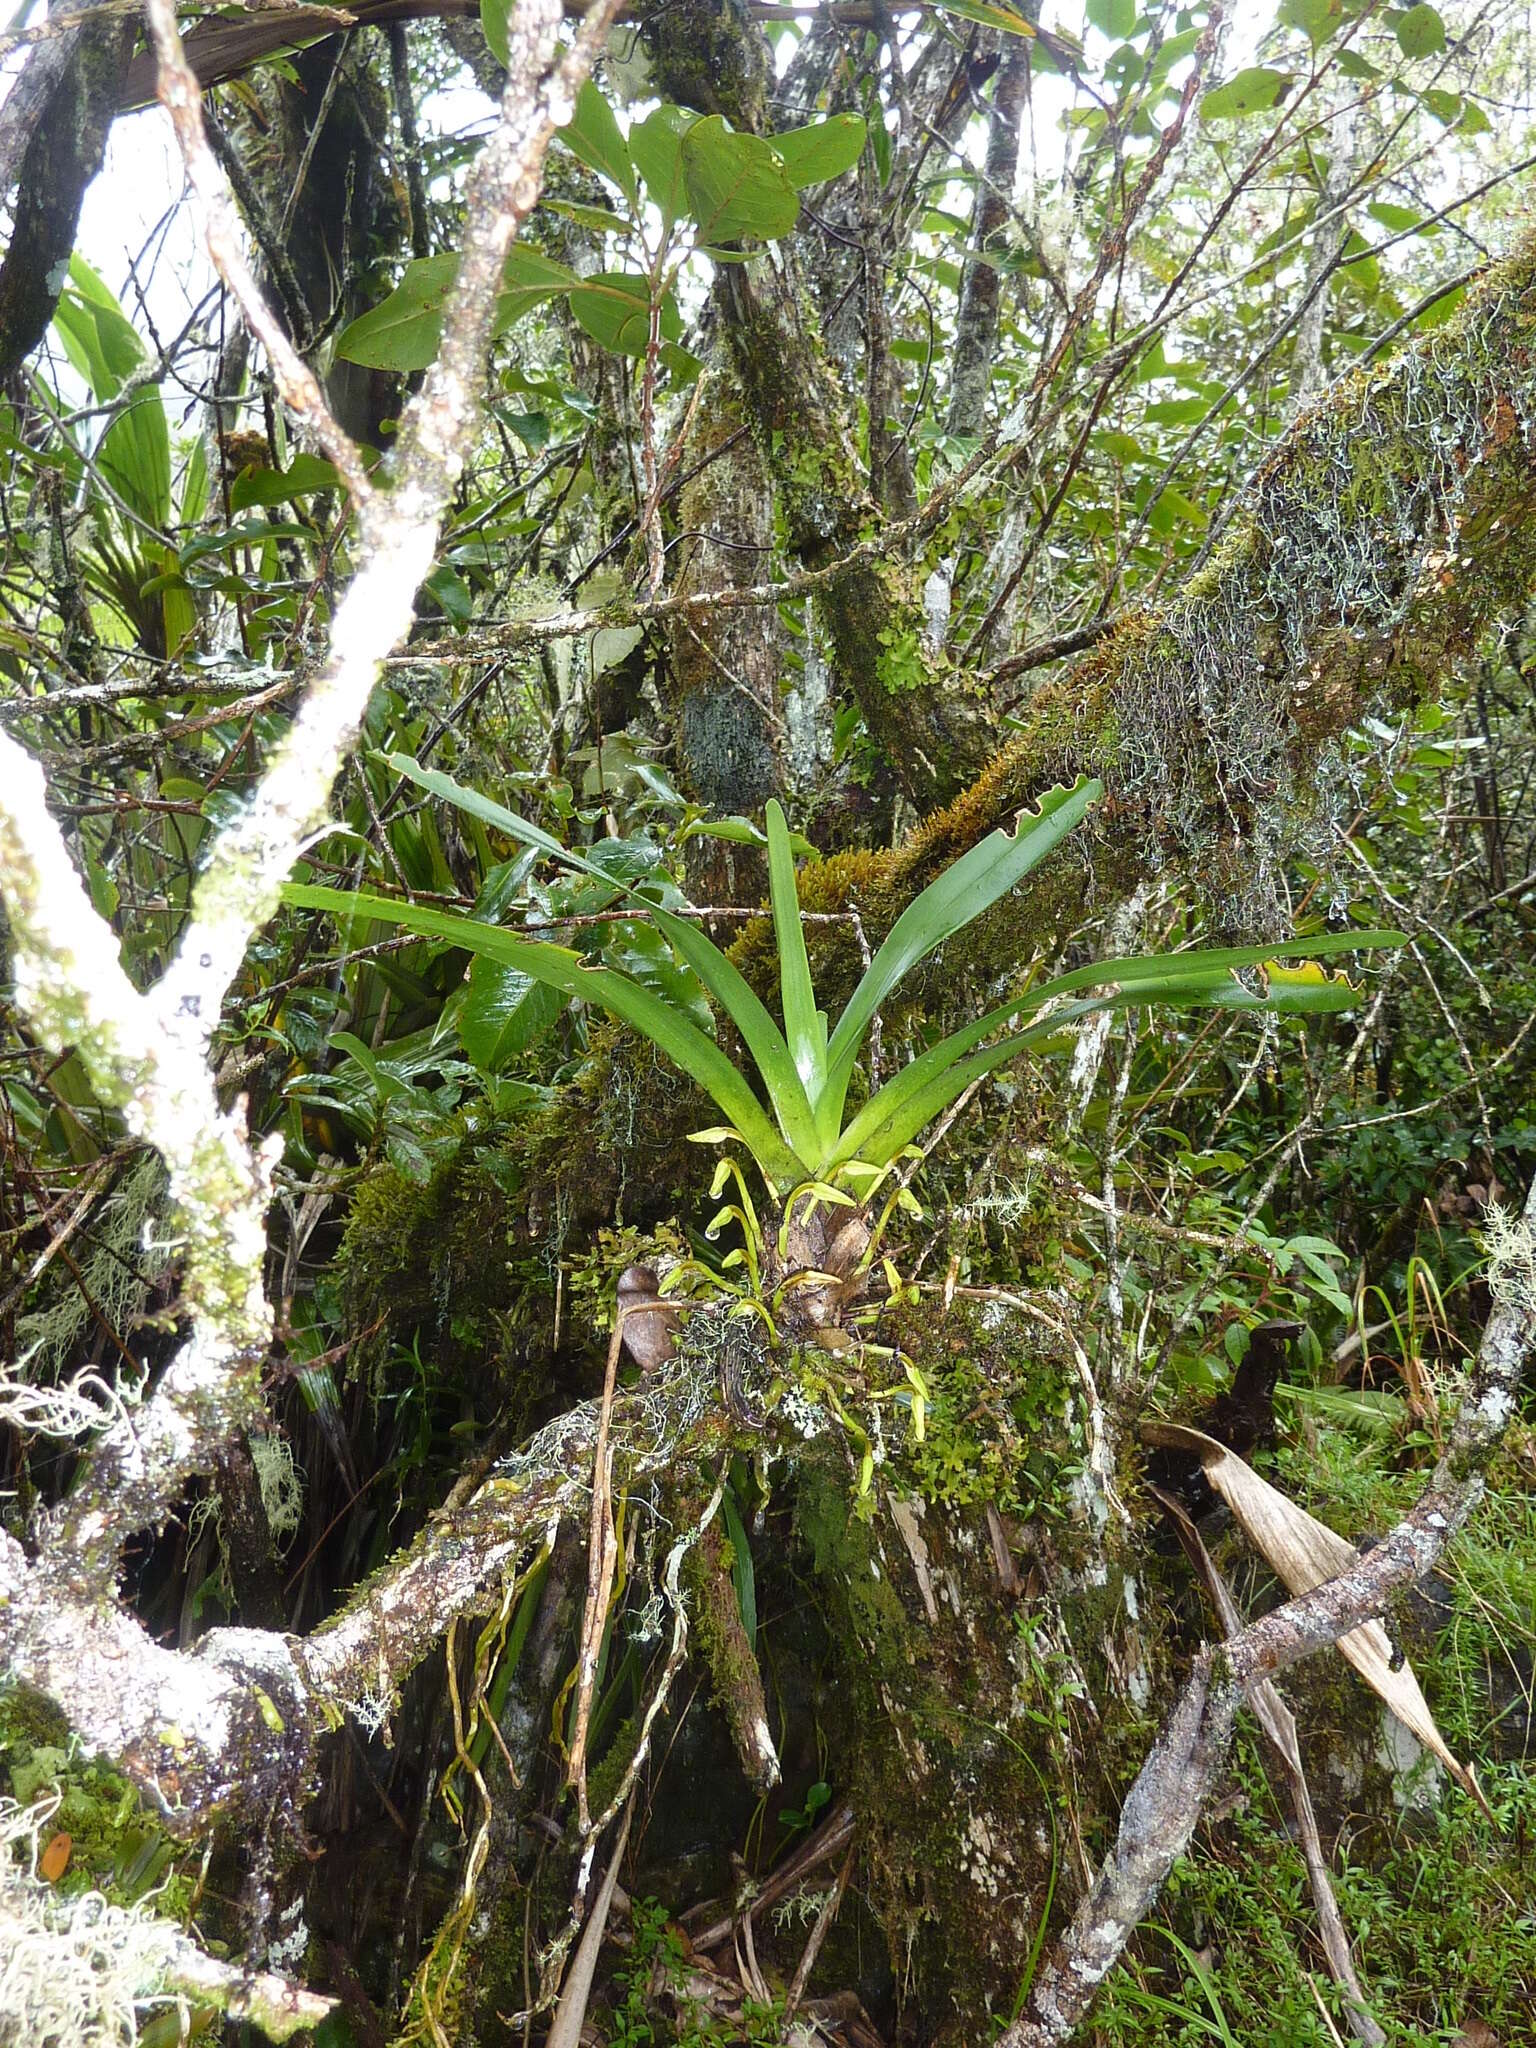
1306	1553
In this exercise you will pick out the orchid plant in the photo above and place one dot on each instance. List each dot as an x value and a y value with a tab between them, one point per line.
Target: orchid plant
797	1128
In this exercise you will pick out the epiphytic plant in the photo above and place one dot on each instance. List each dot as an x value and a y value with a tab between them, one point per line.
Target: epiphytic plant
801	1135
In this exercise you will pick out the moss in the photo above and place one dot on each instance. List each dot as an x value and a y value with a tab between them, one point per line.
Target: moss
115	1846
710	57
722	1640
431	1257
614	1141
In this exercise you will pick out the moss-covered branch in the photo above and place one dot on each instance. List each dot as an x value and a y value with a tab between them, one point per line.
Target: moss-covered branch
707	54
1392	526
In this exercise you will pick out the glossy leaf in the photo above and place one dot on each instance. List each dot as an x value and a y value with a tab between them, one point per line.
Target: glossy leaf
494	18
305	475
505	1010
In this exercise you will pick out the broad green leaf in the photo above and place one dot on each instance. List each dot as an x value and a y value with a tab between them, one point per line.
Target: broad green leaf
494	16
804	1029
656	145
305	474
967	887
761	1036
1318	20
824	150
1253	91
194	484
1420	32
134	454
742	832
615	309
1203	967
1113	18
736	184
98	339
593	135
602	219
403	332
684	1044
1400	219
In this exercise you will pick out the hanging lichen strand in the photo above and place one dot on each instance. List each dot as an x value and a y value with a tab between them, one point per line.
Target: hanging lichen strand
1387	531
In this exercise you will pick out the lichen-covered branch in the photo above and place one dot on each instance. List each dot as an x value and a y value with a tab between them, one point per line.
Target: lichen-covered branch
1164	1804
75	1966
1394	523
191	1728
231	1723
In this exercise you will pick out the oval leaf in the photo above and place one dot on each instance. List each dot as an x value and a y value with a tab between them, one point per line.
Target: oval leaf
1420	32
504	1012
593	135
824	150
1251	92
736	184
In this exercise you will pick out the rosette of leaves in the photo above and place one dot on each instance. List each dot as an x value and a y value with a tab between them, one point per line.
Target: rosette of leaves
790	1114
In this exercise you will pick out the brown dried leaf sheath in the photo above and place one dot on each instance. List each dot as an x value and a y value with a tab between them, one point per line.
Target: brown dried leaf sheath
1306	1553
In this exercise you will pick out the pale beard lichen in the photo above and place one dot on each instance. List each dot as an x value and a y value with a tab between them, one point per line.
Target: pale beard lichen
73	1970
1510	1242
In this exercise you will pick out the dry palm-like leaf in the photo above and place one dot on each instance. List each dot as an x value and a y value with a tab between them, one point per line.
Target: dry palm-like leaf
1306	1553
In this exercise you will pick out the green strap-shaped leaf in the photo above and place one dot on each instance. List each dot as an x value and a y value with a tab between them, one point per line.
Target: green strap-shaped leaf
762	1037
928	1084
803	1030
967	887
683	1043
